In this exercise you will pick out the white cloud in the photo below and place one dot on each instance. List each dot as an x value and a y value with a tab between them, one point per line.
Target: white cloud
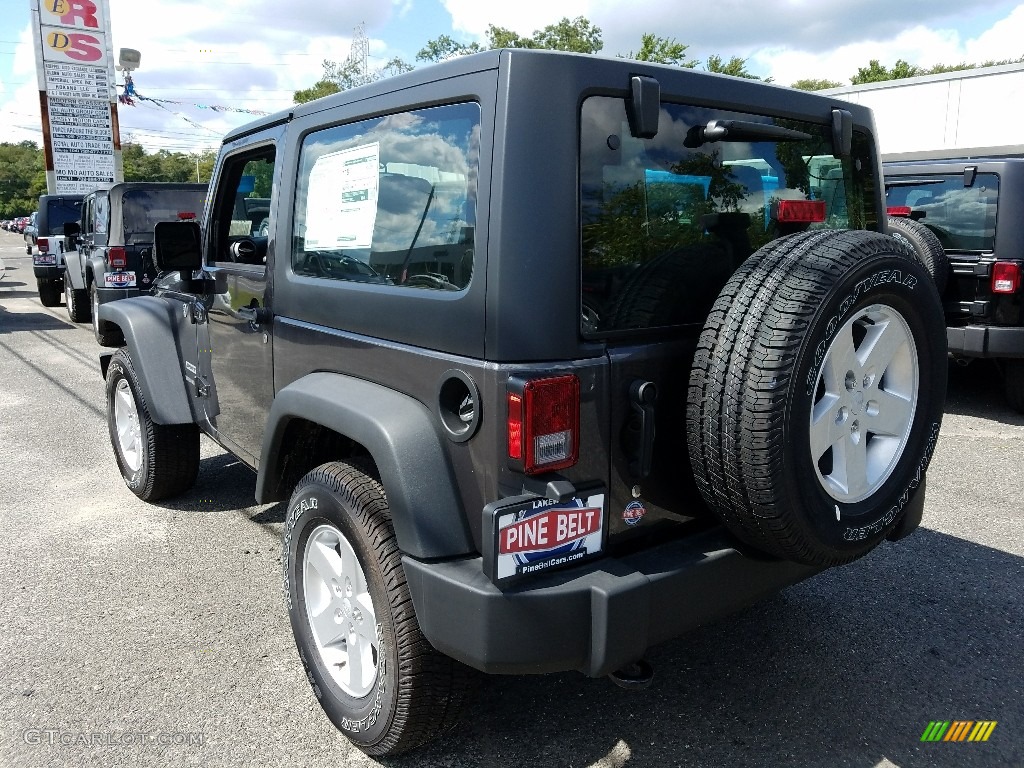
1005	40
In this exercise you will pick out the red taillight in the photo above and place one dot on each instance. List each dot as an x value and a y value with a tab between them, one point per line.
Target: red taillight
43	243
543	423
1005	277
799	211
117	257
898	210
186	215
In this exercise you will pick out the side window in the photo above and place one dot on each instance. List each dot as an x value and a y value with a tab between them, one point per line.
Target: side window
100	214
390	200
240	222
86	217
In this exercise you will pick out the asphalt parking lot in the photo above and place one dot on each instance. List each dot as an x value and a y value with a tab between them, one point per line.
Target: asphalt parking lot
145	635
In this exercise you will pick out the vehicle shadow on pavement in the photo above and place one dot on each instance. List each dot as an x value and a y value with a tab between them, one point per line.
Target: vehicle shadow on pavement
12	322
977	390
847	668
225	484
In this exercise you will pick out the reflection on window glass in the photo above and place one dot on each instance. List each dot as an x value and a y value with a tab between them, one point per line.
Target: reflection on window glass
141	209
101	208
963	218
665	221
390	200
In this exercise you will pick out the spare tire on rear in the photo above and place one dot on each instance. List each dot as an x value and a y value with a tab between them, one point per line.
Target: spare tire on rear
816	394
923	242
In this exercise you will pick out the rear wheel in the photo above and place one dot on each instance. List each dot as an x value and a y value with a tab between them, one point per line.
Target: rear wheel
157	461
816	394
1013	383
77	301
374	674
49	292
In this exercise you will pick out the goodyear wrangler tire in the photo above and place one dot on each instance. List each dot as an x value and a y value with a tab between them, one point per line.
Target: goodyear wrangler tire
925	245
816	394
376	677
157	461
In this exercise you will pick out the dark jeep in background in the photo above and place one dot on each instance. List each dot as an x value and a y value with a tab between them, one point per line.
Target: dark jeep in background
556	357
109	252
976	210
48	261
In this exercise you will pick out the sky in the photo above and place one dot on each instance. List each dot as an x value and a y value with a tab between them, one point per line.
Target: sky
253	54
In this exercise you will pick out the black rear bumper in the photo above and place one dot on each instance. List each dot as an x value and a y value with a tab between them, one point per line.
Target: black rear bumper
594	618
985	341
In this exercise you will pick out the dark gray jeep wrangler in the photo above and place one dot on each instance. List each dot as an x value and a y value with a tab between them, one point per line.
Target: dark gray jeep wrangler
555	357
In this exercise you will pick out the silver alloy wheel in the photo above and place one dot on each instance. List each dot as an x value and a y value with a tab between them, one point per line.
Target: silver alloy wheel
129	429
67	292
864	403
340	611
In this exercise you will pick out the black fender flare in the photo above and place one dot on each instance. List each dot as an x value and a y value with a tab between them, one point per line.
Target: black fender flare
149	327
400	434
95	268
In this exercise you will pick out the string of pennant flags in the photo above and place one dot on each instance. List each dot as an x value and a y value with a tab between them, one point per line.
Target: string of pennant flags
130	96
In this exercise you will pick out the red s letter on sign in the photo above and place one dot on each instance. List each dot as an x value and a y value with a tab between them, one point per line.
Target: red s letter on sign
77	46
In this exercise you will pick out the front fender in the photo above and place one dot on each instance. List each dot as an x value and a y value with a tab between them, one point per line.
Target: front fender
149	326
400	434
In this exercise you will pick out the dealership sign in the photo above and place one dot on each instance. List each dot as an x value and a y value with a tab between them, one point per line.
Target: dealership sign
75	67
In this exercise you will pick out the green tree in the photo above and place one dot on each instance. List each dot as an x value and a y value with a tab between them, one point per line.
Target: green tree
22	178
344	75
661	50
735	66
812	84
578	35
875	72
445	47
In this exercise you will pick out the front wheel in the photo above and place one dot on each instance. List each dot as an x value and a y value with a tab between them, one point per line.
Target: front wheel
157	461
375	675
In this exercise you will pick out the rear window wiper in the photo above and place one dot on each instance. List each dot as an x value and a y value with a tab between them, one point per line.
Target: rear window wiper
911	182
739	130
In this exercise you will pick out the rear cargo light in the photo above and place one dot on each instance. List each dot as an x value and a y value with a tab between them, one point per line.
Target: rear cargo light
43	243
543	423
117	257
898	210
799	211
186	215
1005	277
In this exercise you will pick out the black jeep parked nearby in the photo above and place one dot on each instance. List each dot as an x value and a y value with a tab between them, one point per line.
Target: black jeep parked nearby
554	357
974	208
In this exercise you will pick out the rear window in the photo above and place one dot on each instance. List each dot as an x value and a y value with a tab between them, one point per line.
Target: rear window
60	212
665	221
963	218
141	209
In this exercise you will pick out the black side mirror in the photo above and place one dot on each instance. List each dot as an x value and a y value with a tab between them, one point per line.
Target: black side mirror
177	245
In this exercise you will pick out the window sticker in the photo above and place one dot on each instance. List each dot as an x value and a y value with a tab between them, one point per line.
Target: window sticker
341	199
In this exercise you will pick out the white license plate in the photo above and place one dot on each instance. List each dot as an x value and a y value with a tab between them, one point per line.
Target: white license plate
119	279
529	535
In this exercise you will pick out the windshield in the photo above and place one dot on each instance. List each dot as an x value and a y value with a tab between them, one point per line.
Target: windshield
141	209
963	218
60	212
